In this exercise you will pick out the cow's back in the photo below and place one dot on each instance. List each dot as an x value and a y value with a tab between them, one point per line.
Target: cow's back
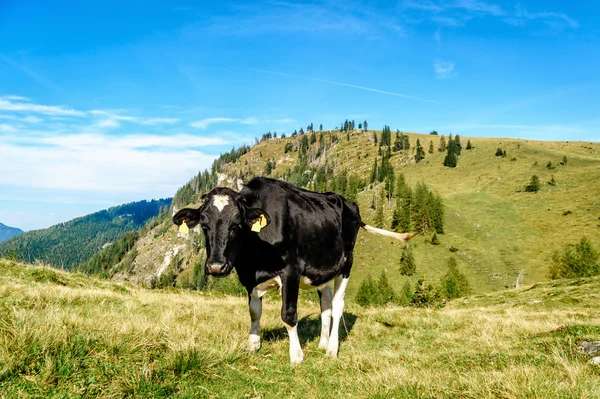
316	230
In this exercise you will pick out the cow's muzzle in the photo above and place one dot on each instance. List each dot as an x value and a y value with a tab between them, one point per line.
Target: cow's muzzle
218	269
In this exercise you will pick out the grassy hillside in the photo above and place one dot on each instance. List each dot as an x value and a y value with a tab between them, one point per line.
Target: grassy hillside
493	228
7	232
67	244
498	228
67	335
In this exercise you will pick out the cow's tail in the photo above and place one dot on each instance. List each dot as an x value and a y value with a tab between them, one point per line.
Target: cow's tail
402	237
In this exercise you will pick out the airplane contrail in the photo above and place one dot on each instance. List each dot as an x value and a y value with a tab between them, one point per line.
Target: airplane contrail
389	93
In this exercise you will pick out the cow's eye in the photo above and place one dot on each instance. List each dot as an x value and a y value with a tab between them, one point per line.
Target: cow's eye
233	228
205	227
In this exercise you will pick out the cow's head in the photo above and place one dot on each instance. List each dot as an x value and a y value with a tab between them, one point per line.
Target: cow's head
224	218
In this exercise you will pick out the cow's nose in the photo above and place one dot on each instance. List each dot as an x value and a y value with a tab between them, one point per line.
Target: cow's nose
216	268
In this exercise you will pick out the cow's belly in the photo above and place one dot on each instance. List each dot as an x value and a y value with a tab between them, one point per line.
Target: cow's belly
275	284
307	284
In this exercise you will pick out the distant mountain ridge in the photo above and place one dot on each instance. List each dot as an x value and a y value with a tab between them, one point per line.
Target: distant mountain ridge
67	244
7	232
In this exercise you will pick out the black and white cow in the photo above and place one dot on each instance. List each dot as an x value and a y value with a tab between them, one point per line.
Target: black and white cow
305	241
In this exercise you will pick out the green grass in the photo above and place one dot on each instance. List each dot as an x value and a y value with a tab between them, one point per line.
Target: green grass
67	335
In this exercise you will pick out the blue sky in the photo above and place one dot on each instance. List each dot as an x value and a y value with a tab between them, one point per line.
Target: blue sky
108	102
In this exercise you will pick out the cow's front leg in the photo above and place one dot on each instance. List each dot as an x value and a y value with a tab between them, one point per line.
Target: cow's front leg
255	305
339	292
325	297
289	315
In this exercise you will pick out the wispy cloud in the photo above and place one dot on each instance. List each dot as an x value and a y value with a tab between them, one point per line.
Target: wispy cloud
444	69
15	105
321	17
6	128
456	13
549	18
113	119
389	93
204	123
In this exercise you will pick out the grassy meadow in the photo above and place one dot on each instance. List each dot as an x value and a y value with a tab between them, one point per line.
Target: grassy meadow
68	335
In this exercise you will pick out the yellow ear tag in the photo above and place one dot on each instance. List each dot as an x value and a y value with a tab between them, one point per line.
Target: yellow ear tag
259	224
184	228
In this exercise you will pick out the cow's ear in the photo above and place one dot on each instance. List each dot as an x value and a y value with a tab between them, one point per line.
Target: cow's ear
190	216
257	218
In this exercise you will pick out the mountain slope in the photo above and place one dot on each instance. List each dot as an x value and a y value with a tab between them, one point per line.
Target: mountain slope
67	244
67	335
7	232
493	227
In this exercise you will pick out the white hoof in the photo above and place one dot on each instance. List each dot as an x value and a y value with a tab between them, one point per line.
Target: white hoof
323	343
332	351
296	357
254	343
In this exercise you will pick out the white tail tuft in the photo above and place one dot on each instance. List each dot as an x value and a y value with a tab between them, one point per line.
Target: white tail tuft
403	237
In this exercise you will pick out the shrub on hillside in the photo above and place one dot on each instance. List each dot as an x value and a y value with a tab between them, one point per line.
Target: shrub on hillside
375	293
579	260
426	296
408	266
534	185
454	284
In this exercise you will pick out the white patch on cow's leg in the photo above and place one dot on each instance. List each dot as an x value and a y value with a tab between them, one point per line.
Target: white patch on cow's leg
325	316
220	201
296	355
337	310
255	313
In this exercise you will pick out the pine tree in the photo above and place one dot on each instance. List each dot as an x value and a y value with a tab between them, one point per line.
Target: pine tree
420	154
469	146
385	292
454	283
534	185
374	171
431	150
407	262
366	292
450	159
442	146
406	294
379	211
365	125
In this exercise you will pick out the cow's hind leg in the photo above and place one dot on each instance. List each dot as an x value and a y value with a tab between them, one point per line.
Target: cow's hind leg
289	315
255	305
325	297
339	292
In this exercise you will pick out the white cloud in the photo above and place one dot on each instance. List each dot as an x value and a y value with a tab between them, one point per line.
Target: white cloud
114	117
158	121
5	128
26	119
444	69
108	124
204	123
103	163
25	106
15	98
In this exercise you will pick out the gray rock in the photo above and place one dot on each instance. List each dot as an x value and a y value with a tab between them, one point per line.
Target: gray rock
595	360
589	347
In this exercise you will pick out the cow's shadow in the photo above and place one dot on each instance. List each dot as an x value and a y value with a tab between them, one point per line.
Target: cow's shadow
309	328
